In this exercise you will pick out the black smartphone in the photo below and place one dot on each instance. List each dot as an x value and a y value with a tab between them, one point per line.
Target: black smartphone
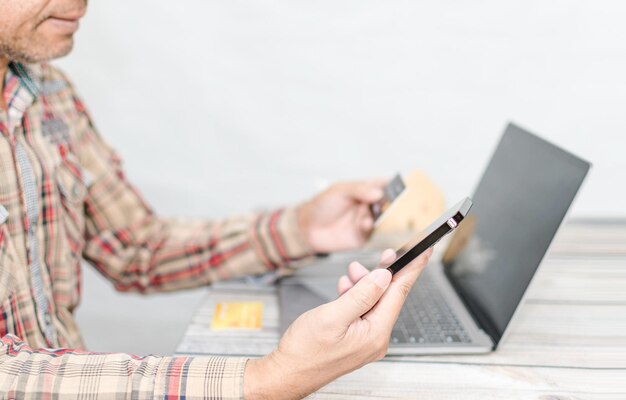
431	235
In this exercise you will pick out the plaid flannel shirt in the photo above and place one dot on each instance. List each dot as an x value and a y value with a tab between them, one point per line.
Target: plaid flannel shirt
64	198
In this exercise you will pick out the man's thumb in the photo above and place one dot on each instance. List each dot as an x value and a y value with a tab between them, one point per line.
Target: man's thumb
363	192
362	296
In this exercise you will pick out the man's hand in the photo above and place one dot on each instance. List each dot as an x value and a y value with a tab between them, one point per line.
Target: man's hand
338	337
339	218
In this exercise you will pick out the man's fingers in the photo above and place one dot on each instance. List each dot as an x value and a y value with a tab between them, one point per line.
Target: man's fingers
364	220
388	308
387	258
361	297
356	271
344	284
367	223
365	192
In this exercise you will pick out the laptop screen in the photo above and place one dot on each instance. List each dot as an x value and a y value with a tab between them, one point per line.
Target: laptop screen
518	206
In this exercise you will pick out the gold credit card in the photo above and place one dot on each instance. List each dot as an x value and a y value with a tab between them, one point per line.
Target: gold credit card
237	315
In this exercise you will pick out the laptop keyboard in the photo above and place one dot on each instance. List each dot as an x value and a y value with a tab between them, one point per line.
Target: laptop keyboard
426	318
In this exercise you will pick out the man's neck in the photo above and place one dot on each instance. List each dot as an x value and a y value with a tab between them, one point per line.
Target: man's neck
4	67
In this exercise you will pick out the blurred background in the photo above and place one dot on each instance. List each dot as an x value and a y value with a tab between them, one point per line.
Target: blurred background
222	107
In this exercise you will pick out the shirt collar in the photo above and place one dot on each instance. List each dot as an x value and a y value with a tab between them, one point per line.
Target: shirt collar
21	88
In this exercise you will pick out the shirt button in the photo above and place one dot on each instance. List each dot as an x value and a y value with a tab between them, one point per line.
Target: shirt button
47	319
76	191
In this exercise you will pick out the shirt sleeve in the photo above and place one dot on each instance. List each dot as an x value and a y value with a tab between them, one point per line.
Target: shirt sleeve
139	251
69	374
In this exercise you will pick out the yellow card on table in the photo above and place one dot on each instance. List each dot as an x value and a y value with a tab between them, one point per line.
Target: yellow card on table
239	315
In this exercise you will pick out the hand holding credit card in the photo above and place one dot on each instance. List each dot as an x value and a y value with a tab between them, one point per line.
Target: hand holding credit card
391	192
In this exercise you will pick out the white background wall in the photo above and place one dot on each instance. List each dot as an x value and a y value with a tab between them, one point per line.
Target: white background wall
220	107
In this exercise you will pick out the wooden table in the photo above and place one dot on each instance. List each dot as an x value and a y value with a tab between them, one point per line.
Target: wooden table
568	341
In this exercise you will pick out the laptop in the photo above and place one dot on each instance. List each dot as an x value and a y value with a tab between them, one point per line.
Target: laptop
464	302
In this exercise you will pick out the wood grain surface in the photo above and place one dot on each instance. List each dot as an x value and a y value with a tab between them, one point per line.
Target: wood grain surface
568	340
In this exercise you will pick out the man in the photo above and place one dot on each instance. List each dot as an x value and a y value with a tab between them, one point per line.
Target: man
64	198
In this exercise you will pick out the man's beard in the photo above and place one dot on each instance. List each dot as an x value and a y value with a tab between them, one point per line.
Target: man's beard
26	47
20	51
